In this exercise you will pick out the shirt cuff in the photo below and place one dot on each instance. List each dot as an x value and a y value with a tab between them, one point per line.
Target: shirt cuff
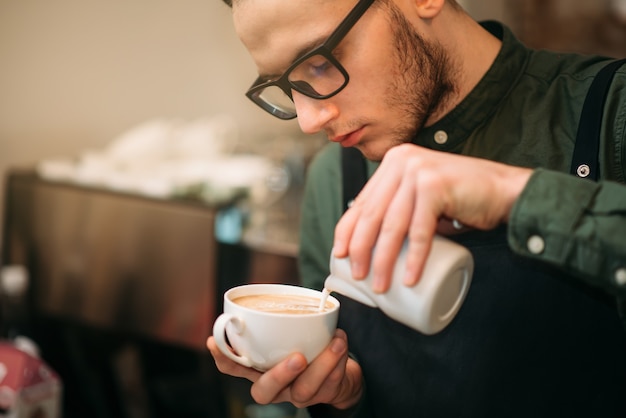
545	215
553	221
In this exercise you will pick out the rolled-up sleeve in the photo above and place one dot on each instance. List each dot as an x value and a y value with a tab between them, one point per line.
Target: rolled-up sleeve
575	224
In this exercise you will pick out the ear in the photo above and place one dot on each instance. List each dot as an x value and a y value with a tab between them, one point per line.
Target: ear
427	9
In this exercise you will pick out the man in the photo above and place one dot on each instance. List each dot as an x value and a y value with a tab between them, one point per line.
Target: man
472	127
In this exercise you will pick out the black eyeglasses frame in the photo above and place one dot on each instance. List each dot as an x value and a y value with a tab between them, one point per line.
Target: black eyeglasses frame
325	50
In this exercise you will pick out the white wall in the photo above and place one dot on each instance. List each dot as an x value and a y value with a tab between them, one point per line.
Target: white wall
74	74
485	9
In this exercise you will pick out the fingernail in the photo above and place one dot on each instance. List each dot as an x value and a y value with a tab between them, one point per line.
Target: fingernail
295	363
377	284
338	346
409	278
356	270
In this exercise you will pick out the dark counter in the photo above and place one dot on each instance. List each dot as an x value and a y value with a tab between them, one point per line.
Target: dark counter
136	265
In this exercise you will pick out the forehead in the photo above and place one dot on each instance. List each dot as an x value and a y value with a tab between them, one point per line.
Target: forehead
274	31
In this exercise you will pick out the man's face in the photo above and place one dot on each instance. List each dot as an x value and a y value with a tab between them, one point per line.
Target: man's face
397	79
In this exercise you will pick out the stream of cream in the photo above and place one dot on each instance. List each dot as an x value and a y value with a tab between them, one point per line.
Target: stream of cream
325	294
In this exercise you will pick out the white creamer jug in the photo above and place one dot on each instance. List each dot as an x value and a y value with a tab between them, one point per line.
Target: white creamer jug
427	307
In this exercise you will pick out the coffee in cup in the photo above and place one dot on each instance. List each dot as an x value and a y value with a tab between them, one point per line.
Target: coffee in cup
264	323
285	304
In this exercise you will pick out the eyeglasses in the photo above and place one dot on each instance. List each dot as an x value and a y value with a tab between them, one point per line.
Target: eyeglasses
318	74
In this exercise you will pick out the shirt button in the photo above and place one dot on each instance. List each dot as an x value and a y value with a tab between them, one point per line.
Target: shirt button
535	244
441	137
620	276
583	170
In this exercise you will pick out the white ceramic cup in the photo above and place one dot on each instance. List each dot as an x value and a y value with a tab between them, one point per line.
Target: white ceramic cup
260	339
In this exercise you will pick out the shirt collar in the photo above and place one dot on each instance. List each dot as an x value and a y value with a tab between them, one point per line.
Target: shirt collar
454	128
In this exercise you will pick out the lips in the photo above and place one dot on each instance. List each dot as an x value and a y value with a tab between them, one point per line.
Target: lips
350	139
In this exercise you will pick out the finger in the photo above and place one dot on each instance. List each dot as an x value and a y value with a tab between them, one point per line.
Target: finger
343	231
336	387
393	234
345	227
321	379
229	367
421	232
372	210
270	385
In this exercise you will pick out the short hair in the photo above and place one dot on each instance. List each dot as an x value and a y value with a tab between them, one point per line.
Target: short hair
454	4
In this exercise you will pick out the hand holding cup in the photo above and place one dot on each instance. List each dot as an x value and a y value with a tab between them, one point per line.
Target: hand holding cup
264	323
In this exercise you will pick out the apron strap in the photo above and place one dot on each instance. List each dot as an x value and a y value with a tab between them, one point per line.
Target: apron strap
353	173
585	161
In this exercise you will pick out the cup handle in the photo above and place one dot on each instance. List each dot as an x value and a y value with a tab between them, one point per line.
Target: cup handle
219	333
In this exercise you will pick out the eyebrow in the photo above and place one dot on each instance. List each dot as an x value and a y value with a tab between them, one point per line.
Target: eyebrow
305	49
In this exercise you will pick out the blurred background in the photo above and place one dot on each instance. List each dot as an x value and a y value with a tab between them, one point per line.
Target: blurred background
139	183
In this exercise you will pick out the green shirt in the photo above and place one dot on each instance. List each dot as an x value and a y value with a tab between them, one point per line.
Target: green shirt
524	112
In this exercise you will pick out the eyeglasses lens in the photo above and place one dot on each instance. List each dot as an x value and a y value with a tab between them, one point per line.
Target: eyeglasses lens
317	77
274	100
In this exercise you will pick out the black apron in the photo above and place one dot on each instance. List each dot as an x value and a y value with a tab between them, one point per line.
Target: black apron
528	341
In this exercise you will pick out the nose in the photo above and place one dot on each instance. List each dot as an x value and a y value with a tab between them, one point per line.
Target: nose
313	114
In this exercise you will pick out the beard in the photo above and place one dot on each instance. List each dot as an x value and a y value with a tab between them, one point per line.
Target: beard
423	82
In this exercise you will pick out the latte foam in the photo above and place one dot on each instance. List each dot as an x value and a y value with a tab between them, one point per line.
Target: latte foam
285	304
